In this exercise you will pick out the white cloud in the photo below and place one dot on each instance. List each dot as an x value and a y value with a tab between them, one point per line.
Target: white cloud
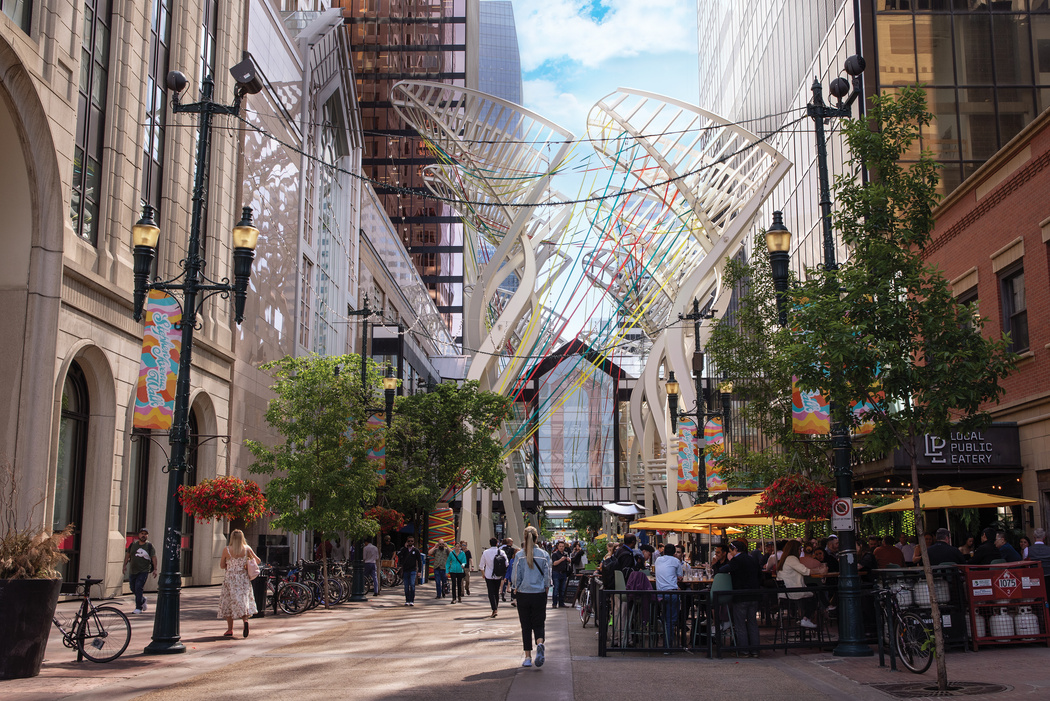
550	99
567	30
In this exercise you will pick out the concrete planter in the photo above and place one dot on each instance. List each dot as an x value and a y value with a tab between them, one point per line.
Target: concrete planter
26	609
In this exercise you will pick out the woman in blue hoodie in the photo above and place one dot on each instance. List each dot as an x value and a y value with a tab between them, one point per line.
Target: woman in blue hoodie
531	581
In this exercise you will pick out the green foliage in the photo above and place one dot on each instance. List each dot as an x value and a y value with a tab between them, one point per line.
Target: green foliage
887	321
585	523
321	479
743	346
441	438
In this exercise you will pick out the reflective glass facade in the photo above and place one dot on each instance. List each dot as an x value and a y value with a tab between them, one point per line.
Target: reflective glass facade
986	65
395	40
499	62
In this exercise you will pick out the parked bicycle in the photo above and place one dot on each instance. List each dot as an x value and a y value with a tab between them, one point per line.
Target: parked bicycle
585	599
99	633
911	638
281	592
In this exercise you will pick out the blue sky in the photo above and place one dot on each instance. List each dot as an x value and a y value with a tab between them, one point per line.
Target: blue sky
574	52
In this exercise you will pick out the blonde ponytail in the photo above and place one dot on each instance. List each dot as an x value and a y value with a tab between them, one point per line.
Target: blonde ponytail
531	536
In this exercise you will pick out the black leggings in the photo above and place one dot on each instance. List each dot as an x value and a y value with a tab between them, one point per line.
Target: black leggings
532	613
457	585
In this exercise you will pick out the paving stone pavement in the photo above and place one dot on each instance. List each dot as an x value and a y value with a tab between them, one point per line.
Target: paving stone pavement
386	651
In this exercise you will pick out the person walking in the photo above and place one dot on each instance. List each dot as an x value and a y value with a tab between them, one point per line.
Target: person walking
510	552
561	561
532	578
370	556
456	566
142	557
493	567
438	557
470	565
236	599
745	574
411	561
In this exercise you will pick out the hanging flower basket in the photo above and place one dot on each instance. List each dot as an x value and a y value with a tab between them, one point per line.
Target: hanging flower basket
230	498
797	497
388	519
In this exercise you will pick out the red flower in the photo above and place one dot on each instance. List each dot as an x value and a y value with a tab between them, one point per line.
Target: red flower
797	497
223	497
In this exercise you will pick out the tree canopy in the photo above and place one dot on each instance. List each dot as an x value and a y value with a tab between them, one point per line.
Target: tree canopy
320	476
447	436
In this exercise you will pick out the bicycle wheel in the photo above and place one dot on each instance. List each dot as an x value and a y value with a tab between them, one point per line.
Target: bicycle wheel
106	634
914	643
585	607
293	598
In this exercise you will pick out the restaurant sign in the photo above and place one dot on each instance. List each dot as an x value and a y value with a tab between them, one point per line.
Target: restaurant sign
995	446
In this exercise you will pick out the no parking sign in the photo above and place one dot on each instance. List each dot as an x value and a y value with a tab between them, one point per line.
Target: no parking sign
842	514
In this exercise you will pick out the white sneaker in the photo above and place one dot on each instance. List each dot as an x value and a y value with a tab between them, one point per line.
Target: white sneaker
806	623
143	608
137	611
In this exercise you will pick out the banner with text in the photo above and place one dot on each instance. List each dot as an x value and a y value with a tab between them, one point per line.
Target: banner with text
714	445
688	456
159	368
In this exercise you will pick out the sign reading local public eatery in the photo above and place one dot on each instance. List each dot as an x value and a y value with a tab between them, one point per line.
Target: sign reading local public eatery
995	446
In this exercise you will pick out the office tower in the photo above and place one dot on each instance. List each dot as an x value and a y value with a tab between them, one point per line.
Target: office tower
499	62
429	40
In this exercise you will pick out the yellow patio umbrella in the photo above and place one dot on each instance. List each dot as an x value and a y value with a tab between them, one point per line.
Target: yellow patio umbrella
743	512
948	497
660	522
600	536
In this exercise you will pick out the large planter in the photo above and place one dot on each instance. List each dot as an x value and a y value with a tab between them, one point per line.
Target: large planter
26	609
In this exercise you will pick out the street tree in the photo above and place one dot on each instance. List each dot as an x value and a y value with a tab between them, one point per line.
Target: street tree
320	477
743	348
884	329
442	438
586	523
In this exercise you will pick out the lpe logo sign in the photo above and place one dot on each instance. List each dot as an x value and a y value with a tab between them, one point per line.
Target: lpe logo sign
935	449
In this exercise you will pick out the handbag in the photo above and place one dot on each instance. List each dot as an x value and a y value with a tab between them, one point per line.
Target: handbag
252	568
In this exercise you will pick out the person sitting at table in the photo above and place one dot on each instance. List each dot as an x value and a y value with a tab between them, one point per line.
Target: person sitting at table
768	550
669	572
807	558
942	552
719	555
917	557
987	550
831	553
888	554
791	572
771	563
746	574
866	563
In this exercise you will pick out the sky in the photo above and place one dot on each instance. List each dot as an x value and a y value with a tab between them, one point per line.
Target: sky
574	52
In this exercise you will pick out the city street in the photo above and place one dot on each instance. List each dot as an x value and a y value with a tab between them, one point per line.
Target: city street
384	650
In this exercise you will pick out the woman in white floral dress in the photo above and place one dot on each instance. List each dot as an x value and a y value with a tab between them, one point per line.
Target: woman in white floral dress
236	599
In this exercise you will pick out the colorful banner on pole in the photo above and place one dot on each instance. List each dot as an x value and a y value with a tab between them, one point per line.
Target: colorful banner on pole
441	525
159	368
714	445
809	411
688	456
377	423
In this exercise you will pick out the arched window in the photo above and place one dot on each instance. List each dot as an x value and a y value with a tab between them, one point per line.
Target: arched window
71	467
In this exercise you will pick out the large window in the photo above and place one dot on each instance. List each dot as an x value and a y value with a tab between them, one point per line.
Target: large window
71	468
1015	310
20	11
91	119
153	136
138	481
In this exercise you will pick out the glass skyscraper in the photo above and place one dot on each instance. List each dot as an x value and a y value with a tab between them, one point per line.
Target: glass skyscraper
431	40
499	62
986	66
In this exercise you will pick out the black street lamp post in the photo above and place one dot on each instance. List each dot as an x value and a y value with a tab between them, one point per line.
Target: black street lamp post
191	283
778	240
357	591
724	390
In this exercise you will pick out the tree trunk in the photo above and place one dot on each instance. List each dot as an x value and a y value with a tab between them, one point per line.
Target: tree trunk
935	607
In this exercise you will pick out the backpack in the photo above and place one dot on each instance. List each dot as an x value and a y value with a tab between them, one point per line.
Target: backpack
499	565
626	561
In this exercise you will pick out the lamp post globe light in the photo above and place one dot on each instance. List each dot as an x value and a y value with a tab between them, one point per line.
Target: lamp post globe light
778	242
195	288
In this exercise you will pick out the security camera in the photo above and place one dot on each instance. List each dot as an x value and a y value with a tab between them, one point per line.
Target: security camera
176	81
247	77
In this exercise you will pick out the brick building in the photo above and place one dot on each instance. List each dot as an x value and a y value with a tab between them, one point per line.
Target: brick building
990	241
